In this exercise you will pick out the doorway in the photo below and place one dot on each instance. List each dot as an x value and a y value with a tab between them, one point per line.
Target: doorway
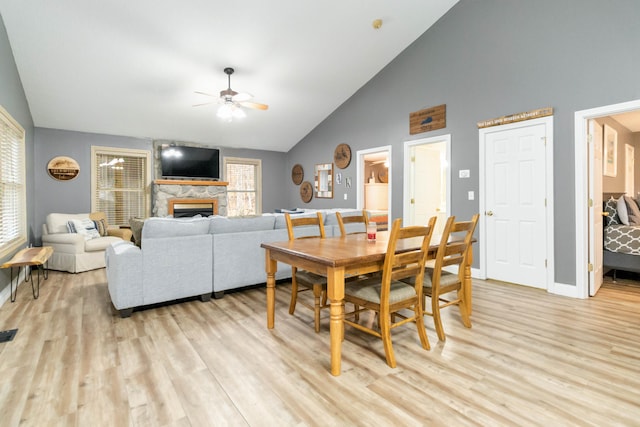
586	208
374	184
427	180
516	187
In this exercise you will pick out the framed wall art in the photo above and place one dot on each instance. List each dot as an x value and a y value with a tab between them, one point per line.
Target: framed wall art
610	158
63	168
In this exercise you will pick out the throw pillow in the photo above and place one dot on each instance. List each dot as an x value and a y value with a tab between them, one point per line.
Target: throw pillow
101	226
632	210
136	229
622	211
86	227
610	206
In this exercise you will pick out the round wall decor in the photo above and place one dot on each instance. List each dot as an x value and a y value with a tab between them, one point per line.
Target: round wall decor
63	168
297	174
306	192
342	156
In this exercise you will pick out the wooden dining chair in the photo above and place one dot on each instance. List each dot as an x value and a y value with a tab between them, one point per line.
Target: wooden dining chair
302	280
352	219
387	295
454	250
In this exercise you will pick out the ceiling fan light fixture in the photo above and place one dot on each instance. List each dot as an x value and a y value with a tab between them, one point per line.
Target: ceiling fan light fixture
229	111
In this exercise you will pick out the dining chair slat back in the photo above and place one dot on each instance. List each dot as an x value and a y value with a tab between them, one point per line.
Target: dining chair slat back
302	280
386	295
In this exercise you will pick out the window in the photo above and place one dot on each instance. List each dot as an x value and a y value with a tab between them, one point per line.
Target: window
244	192
13	199
120	183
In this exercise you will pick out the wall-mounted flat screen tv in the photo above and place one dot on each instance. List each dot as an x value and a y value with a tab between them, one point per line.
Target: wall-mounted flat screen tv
190	162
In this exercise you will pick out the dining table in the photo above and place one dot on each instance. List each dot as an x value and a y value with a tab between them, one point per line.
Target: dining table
338	258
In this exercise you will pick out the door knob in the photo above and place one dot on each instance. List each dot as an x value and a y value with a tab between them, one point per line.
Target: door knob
489	213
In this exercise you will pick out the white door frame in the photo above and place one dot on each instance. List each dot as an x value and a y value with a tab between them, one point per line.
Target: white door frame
406	197
360	179
548	121
581	290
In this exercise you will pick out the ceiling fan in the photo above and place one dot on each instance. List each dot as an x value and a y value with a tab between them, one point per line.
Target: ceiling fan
230	101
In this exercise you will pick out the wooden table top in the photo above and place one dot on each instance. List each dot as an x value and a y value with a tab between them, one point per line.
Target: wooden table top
29	256
341	251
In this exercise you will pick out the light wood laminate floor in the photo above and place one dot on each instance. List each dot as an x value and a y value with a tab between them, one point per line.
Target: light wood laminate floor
531	358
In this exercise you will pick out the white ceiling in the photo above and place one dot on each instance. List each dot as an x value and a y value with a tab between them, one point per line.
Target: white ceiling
130	68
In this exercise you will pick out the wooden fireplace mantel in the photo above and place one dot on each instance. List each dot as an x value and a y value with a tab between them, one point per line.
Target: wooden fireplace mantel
189	182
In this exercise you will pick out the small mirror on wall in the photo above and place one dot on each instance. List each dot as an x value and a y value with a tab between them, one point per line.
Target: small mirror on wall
324	180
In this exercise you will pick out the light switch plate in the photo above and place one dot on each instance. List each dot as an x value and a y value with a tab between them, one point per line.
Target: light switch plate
464	173
471	195
345	196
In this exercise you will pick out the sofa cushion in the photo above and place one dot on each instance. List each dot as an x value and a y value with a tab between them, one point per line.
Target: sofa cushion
221	224
174	227
57	222
101	243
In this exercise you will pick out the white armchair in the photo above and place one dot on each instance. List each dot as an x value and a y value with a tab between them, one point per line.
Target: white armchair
72	252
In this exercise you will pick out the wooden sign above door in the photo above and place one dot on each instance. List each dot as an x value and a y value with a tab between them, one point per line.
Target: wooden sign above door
519	117
428	119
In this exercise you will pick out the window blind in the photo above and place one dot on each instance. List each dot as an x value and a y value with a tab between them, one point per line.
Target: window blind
120	178
13	212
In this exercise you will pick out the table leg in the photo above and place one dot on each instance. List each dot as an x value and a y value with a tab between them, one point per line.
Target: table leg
335	292
271	267
14	295
35	291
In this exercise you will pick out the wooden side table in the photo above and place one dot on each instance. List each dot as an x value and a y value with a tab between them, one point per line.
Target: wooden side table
33	257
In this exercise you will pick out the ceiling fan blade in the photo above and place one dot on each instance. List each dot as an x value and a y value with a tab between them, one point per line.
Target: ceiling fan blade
205	93
242	97
254	105
204	103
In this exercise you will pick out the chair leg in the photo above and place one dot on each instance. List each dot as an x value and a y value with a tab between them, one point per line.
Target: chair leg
294	294
317	294
385	331
437	319
464	309
422	332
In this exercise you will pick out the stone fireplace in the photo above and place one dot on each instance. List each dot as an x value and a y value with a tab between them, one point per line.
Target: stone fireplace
189	196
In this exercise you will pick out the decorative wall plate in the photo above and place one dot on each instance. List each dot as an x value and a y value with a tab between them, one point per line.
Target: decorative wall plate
383	176
342	156
306	192
63	168
297	174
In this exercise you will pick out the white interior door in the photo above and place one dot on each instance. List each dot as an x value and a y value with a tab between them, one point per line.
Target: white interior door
595	209
515	204
427	181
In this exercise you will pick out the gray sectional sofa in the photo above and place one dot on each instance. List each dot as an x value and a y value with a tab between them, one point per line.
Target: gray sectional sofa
180	258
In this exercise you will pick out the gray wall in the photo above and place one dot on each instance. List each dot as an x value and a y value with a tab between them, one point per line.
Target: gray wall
12	99
485	59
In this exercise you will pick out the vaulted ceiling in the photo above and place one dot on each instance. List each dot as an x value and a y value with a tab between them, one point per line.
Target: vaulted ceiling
132	67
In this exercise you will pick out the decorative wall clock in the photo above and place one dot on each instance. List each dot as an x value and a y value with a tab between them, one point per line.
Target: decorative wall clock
342	156
306	192
63	168
297	174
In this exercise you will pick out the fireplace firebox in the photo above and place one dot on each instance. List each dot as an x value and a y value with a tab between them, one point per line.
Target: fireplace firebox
182	208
